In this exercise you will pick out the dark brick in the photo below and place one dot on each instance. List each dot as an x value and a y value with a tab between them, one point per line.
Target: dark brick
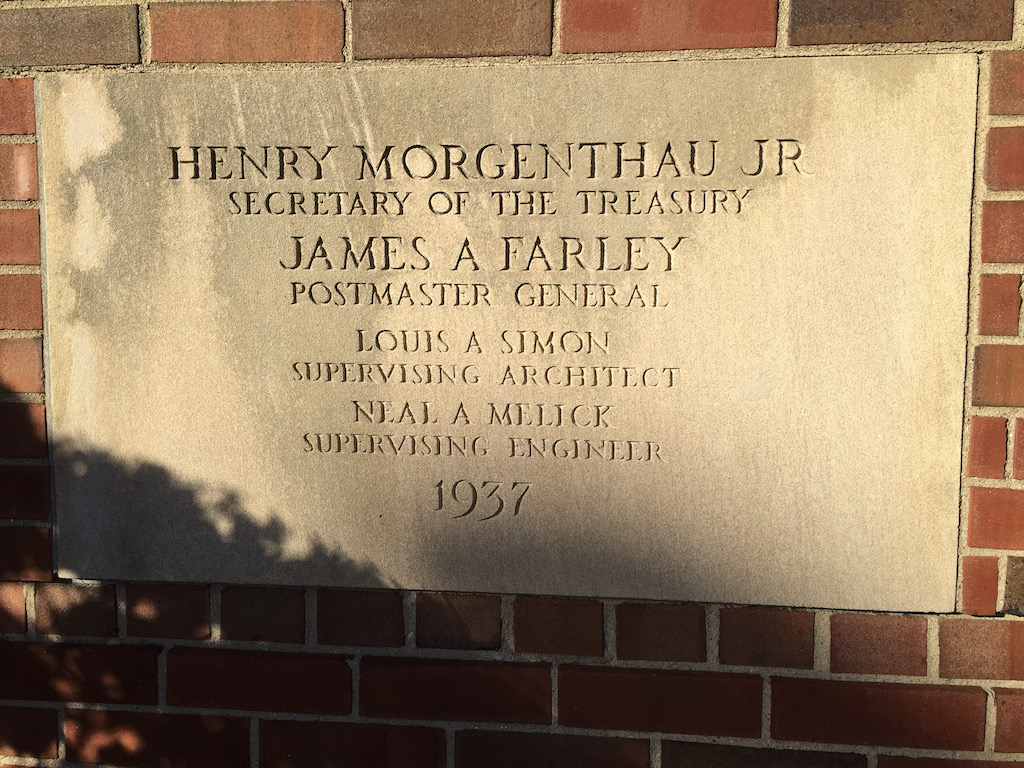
407	29
248	31
435	689
287	744
981	648
817	22
664	701
597	26
259	680
105	34
894	761
269	615
149	740
766	637
69	609
878	714
660	632
1013	592
559	626
24	434
179	611
494	749
360	618
24	493
676	754
25	554
468	622
104	674
879	644
28	732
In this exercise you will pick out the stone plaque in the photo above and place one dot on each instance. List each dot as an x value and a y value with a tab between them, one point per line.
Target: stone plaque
664	330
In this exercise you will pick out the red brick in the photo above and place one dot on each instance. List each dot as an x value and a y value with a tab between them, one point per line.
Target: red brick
879	644
437	689
242	31
665	701
986	456
258	680
178	611
104	674
405	29
69	35
597	26
21	302
1013	591
660	632
559	626
766	637
447	620
69	609
149	740
28	732
25	554
981	585
270	615
981	649
1009	720
676	754
24	493
1002	231
18	173
360	618
493	749
893	761
21	365
17	106
12	609
1000	305
19	236
996	518
1004	159
1006	83
289	744
816	22
878	714
24	433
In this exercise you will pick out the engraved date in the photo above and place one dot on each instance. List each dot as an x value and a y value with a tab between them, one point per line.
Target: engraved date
488	498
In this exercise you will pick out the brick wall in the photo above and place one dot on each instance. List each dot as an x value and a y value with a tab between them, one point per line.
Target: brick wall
160	675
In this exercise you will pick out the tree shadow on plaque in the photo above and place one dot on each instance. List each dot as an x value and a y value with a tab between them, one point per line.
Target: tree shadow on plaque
217	523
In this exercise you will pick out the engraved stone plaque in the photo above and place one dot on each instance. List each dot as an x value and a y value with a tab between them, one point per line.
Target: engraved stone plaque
664	330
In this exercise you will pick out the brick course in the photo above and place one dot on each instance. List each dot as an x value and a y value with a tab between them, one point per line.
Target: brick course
17	106
19	236
666	25
559	626
878	714
306	31
815	22
879	644
469	622
104	34
986	456
999	314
